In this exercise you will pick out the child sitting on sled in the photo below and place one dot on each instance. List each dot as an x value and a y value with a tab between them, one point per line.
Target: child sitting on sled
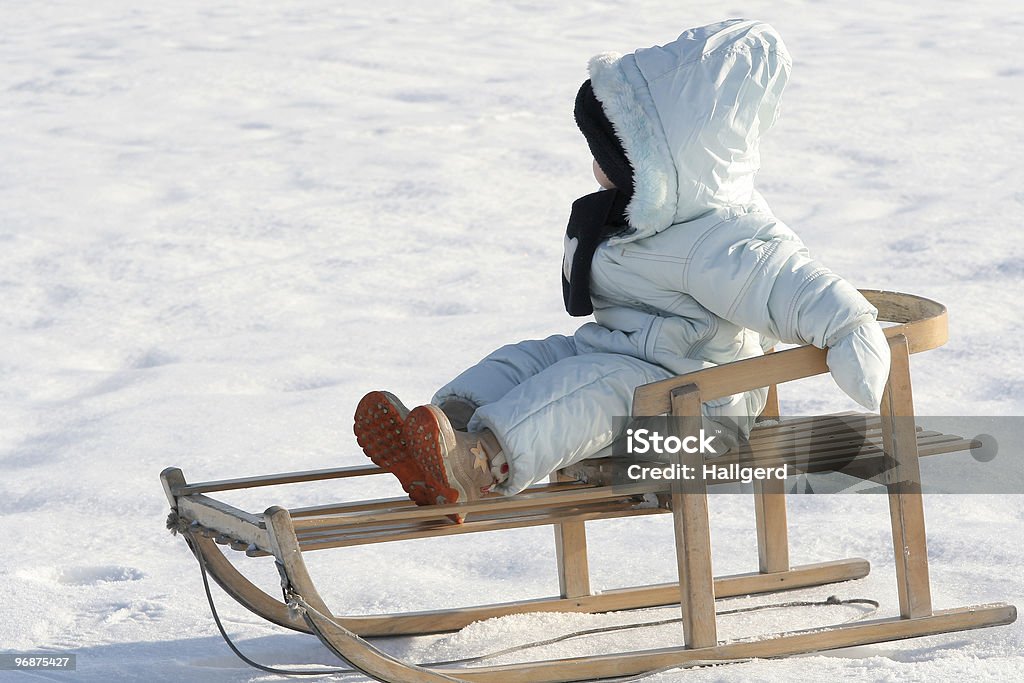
678	258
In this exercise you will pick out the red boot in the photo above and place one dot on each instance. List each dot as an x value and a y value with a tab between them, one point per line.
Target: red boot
458	466
379	420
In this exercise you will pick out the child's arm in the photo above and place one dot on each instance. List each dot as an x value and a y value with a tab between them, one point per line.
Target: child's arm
766	281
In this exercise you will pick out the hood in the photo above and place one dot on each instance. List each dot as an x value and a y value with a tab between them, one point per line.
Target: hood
690	115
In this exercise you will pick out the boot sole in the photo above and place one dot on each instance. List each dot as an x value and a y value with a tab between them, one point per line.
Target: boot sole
379	422
430	438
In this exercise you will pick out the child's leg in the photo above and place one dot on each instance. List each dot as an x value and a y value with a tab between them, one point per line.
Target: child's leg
380	417
567	412
563	414
498	373
558	416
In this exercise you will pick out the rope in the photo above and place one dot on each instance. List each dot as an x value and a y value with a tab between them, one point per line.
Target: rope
227	639
296	599
830	600
175	524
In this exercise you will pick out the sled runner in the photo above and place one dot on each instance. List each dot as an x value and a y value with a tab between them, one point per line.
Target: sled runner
883	448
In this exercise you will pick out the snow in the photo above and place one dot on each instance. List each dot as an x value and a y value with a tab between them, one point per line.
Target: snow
222	222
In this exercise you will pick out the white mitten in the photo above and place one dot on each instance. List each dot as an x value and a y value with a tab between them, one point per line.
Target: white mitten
859	362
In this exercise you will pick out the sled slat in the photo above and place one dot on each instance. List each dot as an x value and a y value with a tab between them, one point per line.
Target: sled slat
833	457
951	446
825	451
766	422
382	528
520	501
816	426
443	521
439	517
405	502
791	448
275	479
532	518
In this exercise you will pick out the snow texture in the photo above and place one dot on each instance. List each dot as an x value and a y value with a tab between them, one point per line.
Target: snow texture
222	222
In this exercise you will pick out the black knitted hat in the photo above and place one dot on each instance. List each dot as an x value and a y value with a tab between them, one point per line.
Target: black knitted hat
604	144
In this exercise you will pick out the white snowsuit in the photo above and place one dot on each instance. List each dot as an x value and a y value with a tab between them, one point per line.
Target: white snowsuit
707	274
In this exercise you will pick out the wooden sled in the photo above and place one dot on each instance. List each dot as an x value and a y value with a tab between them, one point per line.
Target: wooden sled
884	448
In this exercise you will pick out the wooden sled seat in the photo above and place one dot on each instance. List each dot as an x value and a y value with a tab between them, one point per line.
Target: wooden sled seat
883	448
596	490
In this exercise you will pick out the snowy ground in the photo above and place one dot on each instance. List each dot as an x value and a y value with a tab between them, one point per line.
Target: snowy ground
222	222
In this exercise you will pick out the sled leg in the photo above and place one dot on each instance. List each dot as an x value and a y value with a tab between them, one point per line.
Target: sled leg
770	510
571	554
352	649
903	476
693	533
241	589
770	517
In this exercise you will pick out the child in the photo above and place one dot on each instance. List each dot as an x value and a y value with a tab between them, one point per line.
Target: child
679	259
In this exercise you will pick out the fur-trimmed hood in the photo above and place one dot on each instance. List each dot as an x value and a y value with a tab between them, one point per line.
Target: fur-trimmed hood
690	115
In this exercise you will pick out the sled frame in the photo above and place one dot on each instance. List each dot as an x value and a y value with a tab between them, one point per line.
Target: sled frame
567	504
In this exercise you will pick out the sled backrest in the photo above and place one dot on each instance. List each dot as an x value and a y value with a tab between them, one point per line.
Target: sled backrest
922	321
